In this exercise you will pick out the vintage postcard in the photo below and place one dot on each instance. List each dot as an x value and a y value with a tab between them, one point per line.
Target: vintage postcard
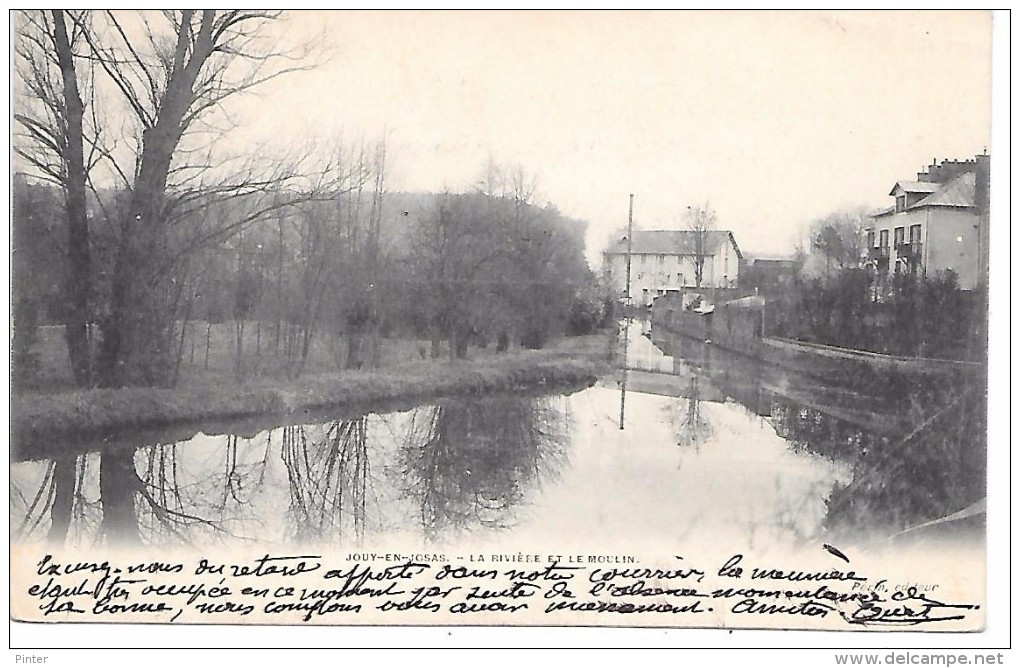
617	319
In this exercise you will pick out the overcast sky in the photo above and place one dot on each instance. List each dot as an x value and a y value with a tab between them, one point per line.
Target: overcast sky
773	118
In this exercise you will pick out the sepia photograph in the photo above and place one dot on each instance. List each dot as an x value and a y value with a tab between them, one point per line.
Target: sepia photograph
593	320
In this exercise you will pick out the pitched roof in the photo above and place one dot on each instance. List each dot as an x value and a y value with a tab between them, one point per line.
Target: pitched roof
673	242
775	261
958	191
914	187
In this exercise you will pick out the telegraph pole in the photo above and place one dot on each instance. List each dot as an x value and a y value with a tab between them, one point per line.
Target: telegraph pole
630	242
626	325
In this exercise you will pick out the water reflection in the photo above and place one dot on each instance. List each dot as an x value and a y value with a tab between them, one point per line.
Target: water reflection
456	465
327	480
719	442
689	421
472	463
917	453
934	470
187	493
118	483
56	497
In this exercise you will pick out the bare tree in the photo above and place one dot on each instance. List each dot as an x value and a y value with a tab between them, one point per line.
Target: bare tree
173	70
700	220
829	243
839	237
455	254
356	302
53	140
490	264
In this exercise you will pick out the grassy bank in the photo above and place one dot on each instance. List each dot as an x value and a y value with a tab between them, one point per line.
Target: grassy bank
37	418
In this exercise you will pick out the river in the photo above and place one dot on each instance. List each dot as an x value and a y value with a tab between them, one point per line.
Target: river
713	447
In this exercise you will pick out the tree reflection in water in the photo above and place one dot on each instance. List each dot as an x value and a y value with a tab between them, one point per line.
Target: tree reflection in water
327	477
462	463
145	496
691	425
118	483
242	480
179	506
59	498
470	463
934	469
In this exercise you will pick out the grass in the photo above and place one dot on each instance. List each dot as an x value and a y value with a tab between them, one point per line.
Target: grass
210	353
39	418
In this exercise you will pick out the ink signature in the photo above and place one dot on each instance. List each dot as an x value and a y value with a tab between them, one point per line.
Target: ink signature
904	608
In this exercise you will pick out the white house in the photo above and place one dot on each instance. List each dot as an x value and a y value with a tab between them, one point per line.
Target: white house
666	261
937	223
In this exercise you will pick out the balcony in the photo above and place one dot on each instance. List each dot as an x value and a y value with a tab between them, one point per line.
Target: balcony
909	250
878	253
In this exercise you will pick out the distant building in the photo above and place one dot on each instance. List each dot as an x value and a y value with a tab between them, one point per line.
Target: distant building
938	222
768	276
665	261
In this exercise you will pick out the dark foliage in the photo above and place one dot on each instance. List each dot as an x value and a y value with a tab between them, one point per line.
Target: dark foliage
915	316
934	467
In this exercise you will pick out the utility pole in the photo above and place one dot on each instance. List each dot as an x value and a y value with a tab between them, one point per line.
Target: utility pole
630	243
626	326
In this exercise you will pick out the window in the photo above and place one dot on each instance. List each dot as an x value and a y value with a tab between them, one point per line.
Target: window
871	238
883	238
915	234
901	203
898	236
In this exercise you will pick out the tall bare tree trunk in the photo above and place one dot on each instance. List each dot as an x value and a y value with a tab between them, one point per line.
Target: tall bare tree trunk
79	276
208	337
132	338
375	223
436	342
353	351
279	287
239	341
134	344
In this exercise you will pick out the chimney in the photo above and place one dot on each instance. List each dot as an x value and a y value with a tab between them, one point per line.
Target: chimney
982	181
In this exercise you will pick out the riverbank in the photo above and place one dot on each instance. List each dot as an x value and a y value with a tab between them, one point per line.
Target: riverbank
39	418
737	326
